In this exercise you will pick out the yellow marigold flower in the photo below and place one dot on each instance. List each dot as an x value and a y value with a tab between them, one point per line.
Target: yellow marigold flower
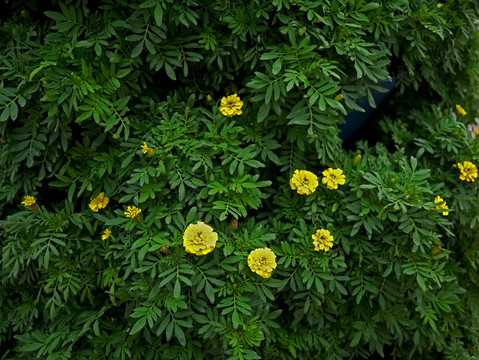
231	105
468	171
333	177
100	202
339	97
438	200
106	234
304	182
199	238
29	200
460	110
323	240
147	150
133	212
262	262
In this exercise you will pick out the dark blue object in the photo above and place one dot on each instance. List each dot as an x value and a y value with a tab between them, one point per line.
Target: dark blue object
356	119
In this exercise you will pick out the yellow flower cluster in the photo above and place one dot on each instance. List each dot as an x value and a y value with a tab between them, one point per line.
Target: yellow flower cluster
106	234
231	105
438	200
199	238
304	182
147	150
29	200
323	240
100	202
333	177
133	212
262	262
460	110
468	171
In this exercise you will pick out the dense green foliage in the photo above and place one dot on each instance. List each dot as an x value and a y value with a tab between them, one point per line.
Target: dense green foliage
83	84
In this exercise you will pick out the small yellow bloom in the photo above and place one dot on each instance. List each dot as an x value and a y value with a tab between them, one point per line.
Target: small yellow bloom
133	212
199	239
468	171
460	110
323	240
106	234
147	150
100	202
476	133
339	97
439	5
438	200
262	262
29	200
333	177
209	98
231	105
304	182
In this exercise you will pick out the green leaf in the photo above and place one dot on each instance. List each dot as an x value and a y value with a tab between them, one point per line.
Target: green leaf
5	114
169	71
235	319
13	111
263	112
420	281
180	335
137	50
210	292
140	324
177	289
276	66
158	14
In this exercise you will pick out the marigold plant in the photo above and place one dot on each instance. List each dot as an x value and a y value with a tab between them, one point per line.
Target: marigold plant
323	240
333	177
442	206
98	203
468	171
262	262
146	150
304	182
248	215
199	238
231	105
460	110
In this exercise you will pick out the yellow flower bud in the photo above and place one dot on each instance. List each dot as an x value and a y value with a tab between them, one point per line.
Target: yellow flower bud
357	160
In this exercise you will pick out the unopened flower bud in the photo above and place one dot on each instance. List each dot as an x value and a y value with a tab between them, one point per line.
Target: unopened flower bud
234	224
436	250
164	249
357	160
